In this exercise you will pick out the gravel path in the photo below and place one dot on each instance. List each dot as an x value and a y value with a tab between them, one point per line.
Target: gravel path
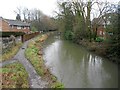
34	78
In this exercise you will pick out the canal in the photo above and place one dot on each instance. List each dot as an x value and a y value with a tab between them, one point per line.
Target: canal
76	67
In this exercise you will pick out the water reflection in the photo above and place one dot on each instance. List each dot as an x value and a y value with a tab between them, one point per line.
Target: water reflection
78	68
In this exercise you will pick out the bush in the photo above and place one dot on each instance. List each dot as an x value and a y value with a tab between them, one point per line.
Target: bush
99	39
57	85
34	29
7	34
68	35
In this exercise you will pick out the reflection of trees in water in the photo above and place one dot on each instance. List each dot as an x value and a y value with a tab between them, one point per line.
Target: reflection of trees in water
75	63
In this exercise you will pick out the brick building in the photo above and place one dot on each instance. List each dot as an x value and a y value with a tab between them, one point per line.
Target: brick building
100	26
7	25
103	25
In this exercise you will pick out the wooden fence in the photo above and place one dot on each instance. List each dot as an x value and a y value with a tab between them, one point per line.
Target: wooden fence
29	36
7	44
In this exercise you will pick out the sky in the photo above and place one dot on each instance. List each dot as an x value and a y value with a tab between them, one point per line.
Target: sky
7	7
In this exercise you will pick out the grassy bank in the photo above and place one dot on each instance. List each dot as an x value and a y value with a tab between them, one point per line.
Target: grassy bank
14	76
34	55
10	53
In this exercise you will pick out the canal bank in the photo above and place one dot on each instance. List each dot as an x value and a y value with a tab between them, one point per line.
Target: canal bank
34	54
76	67
99	48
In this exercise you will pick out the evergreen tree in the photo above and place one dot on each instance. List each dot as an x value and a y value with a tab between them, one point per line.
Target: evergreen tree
18	17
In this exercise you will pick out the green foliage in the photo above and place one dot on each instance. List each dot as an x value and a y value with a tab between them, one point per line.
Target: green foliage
72	20
68	35
114	40
9	54
34	29
67	20
7	34
57	85
31	54
99	39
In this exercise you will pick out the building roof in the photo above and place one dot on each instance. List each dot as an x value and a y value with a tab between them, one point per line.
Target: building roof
104	18
17	23
98	21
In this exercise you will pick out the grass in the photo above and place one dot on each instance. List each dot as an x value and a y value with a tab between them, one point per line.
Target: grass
31	54
34	55
14	76
10	53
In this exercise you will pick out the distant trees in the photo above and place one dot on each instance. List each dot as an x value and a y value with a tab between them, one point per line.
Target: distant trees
18	12
75	18
102	15
26	14
67	19
18	17
38	20
114	48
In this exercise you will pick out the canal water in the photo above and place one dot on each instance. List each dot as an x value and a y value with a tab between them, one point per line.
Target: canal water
76	67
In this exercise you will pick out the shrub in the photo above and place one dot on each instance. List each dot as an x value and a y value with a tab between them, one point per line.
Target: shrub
7	34
99	39
57	85
34	29
68	35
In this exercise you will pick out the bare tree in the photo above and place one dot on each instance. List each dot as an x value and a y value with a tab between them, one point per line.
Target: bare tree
18	12
25	12
101	14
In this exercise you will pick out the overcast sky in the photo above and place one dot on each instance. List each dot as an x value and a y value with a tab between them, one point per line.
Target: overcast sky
7	7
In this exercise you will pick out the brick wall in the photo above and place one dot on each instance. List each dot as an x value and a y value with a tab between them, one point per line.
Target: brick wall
5	26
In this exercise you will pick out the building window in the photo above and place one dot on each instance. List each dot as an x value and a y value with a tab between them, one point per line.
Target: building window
18	27
12	26
24	27
100	32
103	33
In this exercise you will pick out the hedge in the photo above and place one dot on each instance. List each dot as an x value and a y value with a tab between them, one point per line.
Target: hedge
7	34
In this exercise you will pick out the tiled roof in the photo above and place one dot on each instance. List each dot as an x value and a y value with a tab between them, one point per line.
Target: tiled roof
17	23
101	20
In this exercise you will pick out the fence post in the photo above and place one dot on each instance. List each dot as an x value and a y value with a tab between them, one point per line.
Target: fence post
22	38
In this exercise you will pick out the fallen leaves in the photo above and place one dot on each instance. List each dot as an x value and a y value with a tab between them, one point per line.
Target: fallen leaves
14	76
